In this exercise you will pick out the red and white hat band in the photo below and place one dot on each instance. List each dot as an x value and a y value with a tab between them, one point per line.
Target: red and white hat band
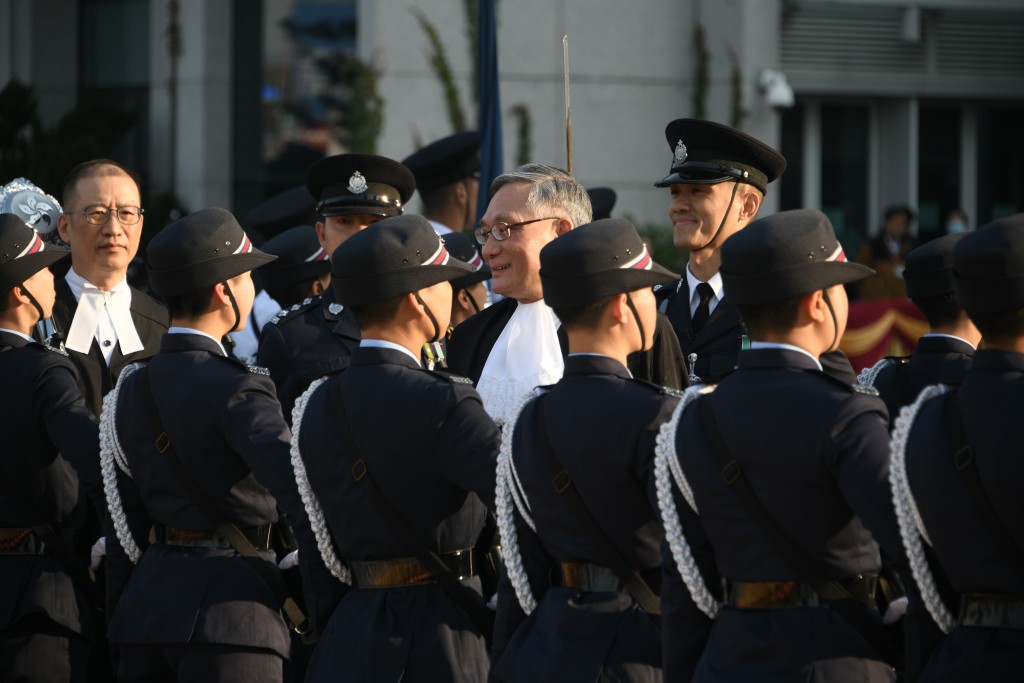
34	247
439	257
642	262
319	255
838	255
245	247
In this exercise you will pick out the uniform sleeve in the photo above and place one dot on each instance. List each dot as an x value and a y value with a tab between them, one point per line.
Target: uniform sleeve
470	440
118	567
663	364
69	424
273	353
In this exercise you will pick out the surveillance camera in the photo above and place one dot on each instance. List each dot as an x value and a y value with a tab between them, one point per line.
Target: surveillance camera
777	91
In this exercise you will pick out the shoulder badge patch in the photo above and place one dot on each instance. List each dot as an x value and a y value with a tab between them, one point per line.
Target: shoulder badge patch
258	370
861	389
459	379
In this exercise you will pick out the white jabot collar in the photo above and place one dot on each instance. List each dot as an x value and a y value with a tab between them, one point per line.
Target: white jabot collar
526	355
103	316
176	329
716	286
787	347
384	344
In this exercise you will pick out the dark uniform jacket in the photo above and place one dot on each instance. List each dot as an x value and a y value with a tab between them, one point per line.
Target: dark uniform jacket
576	635
95	377
226	427
990	401
938	359
471	343
431	449
816	453
308	341
52	447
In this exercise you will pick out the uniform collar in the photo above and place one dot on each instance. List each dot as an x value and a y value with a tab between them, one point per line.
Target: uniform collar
595	363
384	344
186	337
768	354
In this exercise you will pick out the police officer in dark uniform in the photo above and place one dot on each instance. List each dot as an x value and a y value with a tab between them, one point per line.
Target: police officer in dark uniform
598	279
448	178
718	180
943	355
316	336
956	454
419	489
788	470
188	607
47	607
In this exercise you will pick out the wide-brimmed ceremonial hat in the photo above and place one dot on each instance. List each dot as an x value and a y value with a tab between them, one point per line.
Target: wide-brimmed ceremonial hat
23	253
360	184
200	250
988	267
783	256
597	261
462	248
705	152
390	258
300	259
928	270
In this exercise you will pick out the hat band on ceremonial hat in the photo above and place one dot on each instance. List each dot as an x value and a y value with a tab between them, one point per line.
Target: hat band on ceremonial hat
375	199
23	252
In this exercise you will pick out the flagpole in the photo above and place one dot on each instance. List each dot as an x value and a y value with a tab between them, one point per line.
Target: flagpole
568	114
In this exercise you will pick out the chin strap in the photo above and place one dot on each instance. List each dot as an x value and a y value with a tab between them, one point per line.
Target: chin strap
732	197
472	300
433	320
639	325
234	307
835	323
35	303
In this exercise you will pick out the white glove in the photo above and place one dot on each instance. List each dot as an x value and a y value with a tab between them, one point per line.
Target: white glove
897	608
97	553
288	561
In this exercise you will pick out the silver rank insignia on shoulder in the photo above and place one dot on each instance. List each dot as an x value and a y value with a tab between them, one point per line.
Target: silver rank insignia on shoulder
861	389
460	379
307	301
335	309
258	370
679	155
669	391
57	349
357	183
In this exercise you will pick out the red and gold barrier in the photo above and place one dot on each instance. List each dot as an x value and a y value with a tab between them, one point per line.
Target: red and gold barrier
885	327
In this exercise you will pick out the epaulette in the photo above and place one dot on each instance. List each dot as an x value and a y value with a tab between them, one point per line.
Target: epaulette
289	313
459	379
861	389
258	370
668	391
56	349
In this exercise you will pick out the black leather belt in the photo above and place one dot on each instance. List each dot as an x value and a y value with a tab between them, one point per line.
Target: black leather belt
20	541
594	577
772	594
992	611
259	536
408	571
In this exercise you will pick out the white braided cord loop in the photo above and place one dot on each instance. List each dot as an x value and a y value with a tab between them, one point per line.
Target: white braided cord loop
911	525
867	376
664	456
506	499
314	511
111	459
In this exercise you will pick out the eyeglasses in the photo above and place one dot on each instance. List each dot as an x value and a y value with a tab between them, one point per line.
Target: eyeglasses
99	215
502	231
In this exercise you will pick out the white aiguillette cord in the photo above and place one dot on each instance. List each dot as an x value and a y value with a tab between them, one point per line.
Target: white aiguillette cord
91	306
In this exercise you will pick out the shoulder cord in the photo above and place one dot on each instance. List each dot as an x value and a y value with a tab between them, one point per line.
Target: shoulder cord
666	459
506	499
867	376
314	511
911	525
111	457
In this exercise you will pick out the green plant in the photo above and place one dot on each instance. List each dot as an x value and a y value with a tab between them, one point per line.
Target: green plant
438	60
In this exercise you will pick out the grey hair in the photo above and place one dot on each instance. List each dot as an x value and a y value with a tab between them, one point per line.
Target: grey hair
552	189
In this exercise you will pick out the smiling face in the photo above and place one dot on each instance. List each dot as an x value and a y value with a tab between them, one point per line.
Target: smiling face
515	262
101	253
696	211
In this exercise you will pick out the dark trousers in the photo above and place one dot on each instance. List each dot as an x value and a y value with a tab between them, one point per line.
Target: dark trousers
38	650
198	663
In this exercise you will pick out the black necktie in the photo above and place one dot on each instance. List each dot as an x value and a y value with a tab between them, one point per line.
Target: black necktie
700	316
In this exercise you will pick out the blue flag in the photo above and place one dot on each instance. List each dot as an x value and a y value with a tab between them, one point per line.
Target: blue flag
492	162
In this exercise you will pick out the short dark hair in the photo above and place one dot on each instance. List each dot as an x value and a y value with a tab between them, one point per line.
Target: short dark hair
586	316
377	313
89	169
191	304
772	317
940	311
999	326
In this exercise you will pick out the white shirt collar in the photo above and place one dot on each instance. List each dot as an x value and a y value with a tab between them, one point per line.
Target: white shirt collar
440	228
716	287
950	336
176	329
787	347
384	344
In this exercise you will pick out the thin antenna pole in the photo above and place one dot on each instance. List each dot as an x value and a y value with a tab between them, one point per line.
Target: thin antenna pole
568	111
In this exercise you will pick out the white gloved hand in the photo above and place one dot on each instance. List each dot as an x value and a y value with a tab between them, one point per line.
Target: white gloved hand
97	553
897	608
288	561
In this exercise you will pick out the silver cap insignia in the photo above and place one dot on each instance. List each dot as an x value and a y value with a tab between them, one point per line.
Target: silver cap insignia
679	155
357	183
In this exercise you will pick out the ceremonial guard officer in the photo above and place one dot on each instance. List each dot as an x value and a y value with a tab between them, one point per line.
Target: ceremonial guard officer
316	336
956	469
448	179
788	470
516	344
579	526
107	324
195	448
944	354
420	492
48	607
